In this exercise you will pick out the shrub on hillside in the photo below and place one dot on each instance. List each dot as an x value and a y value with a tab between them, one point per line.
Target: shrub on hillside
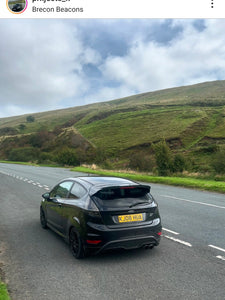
24	154
22	127
40	138
46	157
68	157
163	158
179	163
101	156
218	162
141	162
30	119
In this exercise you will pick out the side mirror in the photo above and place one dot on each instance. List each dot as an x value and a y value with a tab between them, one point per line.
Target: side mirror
46	196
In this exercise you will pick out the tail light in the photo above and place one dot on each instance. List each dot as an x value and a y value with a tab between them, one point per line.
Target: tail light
93	242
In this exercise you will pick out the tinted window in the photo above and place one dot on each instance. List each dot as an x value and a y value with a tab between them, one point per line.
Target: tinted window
123	192
61	190
123	197
77	191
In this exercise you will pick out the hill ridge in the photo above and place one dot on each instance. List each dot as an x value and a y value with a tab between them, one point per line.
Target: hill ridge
189	118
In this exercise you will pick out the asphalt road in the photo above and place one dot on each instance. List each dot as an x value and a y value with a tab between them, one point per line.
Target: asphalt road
189	263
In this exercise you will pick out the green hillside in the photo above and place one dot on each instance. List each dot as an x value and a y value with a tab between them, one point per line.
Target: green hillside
190	119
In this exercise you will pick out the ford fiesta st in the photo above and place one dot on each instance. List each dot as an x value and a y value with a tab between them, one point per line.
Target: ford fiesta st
94	214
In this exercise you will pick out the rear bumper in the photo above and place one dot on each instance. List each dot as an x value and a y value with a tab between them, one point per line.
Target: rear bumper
130	243
124	238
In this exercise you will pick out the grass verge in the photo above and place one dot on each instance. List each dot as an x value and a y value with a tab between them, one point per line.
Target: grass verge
202	184
30	164
17	162
3	292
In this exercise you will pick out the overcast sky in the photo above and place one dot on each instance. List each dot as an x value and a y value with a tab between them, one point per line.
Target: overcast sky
51	64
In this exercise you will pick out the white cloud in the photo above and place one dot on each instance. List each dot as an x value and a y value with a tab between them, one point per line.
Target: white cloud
190	58
41	64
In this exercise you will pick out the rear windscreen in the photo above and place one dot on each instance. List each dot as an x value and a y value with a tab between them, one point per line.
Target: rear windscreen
123	192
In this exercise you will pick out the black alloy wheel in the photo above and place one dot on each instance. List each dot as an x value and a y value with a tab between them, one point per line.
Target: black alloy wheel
76	245
43	219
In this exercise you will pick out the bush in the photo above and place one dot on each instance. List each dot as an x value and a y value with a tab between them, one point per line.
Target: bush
218	162
178	163
163	158
23	154
30	119
141	162
40	138
101	156
46	157
68	157
22	127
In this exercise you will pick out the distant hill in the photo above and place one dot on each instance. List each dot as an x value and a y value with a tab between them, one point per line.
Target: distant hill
191	119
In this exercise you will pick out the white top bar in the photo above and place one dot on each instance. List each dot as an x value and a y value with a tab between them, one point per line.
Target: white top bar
113	9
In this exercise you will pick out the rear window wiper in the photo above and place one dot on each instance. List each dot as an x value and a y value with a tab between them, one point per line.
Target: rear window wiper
138	203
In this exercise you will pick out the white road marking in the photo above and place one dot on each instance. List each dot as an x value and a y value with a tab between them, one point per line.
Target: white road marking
46	187
221	257
177	240
217	248
195	202
171	231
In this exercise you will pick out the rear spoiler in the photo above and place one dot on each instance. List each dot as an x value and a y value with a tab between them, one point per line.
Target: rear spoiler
94	189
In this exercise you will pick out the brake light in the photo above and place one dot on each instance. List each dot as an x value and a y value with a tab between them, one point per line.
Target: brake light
127	187
93	242
159	233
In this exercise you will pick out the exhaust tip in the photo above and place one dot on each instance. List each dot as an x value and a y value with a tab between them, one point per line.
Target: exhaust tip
150	246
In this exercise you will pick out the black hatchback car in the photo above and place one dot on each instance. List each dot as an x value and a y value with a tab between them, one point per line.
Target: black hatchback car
100	213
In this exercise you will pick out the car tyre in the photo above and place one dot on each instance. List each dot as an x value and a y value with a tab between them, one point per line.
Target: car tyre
43	219
76	244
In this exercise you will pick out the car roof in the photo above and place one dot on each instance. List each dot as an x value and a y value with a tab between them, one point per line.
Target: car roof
96	183
106	180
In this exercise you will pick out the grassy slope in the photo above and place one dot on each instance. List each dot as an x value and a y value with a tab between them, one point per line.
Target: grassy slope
139	127
190	114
